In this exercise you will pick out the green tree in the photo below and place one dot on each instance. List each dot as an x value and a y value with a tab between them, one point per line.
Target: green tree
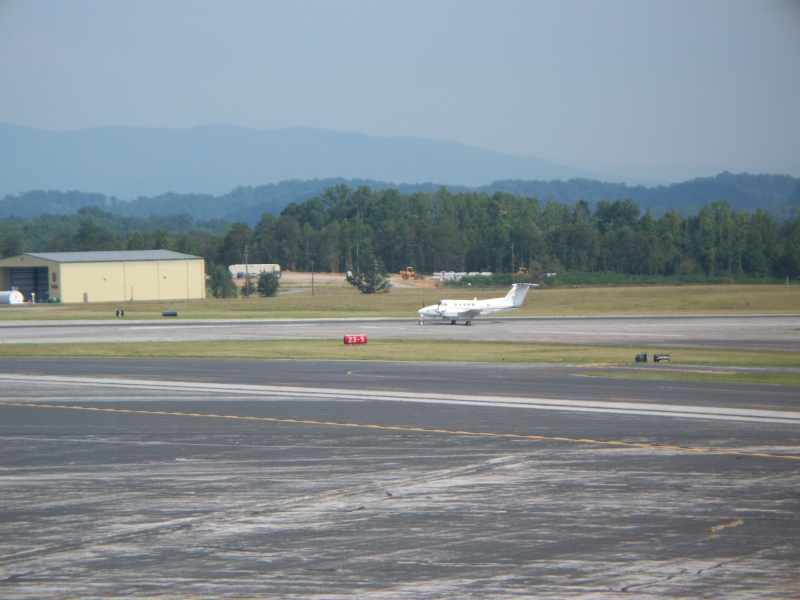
339	202
328	248
790	263
616	215
57	243
268	285
248	289
449	245
11	243
264	239
310	244
362	202
136	241
355	236
373	282
761	245
394	238
186	245
669	230
234	244
704	240
164	240
289	241
220	284
728	246
91	237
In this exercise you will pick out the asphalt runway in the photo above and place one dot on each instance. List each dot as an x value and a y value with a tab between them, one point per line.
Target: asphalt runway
757	332
213	478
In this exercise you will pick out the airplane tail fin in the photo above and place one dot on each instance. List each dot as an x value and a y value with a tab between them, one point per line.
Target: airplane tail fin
517	293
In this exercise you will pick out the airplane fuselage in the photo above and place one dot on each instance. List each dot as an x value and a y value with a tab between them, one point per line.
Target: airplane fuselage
466	310
452	309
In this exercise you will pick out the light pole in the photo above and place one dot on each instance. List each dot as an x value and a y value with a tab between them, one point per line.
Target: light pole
246	275
512	263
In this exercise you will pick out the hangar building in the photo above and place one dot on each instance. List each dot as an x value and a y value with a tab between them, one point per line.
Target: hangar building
105	276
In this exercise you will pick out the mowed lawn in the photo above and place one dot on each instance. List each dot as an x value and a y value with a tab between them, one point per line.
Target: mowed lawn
336	301
342	301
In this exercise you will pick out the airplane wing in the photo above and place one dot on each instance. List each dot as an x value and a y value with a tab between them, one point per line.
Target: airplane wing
470	314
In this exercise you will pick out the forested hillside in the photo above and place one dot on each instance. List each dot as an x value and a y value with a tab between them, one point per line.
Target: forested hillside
242	204
361	229
778	195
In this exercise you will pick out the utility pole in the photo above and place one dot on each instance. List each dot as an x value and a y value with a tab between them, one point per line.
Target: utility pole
512	263
246	275
312	277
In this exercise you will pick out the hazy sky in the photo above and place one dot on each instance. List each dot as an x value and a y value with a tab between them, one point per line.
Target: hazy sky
701	83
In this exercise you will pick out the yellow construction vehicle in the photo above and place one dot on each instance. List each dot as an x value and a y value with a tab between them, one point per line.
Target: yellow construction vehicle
410	273
523	271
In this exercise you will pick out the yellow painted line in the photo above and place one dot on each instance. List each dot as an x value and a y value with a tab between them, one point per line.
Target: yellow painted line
515	436
714	531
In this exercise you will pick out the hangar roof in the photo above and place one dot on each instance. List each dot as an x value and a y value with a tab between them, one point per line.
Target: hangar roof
128	255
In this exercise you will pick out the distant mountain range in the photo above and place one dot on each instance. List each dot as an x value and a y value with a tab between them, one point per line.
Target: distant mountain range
779	195
127	162
237	174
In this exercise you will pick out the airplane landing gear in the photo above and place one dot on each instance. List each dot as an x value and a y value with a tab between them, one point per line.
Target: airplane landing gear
421	321
452	321
468	323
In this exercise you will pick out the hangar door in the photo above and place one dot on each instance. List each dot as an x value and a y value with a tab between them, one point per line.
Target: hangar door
31	279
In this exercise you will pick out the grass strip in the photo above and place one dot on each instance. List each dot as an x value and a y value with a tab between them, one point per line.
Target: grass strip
445	351
402	350
347	303
719	377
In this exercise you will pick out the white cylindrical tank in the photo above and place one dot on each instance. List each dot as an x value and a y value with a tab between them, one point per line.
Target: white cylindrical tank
12	297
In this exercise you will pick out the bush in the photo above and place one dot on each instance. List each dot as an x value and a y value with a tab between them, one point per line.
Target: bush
220	284
370	283
268	285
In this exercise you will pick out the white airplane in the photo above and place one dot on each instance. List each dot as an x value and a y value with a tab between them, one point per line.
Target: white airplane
469	309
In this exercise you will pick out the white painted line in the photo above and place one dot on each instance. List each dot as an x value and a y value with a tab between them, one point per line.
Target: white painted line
605	333
627	408
183	327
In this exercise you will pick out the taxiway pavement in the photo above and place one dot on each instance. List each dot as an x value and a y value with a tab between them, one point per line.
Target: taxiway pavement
757	332
220	478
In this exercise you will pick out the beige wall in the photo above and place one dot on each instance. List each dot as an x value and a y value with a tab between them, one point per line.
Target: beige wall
91	282
55	281
25	261
196	278
183	279
132	280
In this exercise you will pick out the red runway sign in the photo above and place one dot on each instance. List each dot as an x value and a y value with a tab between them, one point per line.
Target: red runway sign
350	340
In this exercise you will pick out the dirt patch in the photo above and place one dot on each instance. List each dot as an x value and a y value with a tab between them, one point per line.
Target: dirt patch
303	279
428	282
294	279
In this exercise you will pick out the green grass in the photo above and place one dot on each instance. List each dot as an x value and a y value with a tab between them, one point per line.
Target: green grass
337	302
344	302
400	350
727	377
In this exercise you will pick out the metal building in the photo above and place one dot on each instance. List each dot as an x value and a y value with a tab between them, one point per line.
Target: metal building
105	276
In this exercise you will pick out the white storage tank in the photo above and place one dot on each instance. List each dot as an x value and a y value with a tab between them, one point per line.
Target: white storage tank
12	297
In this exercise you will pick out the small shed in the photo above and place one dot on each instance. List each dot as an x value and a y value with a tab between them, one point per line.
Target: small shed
105	276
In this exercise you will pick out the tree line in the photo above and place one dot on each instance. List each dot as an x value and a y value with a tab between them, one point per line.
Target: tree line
346	229
359	230
778	195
